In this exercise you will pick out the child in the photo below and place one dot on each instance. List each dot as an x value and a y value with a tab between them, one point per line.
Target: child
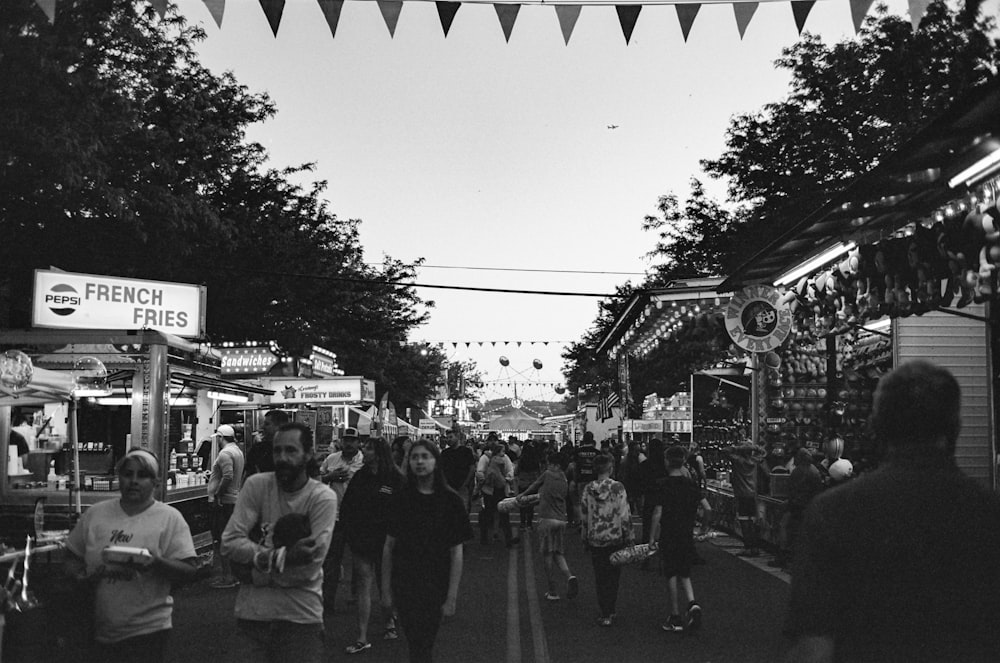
607	527
552	487
673	519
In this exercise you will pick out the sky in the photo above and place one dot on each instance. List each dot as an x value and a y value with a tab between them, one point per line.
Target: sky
470	151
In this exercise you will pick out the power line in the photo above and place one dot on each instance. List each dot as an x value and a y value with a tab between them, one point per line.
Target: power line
399	282
519	269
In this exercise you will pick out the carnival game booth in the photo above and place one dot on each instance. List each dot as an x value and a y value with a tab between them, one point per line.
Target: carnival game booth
100	393
900	265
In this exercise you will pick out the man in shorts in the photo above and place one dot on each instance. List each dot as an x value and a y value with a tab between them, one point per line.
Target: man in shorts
745	458
551	487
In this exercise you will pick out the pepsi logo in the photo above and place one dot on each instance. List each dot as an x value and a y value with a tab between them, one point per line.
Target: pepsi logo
62	299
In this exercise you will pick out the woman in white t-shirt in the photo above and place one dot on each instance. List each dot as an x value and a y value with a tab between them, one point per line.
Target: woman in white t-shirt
132	601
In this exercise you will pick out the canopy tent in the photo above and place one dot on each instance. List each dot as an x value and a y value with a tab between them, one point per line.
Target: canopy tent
516	420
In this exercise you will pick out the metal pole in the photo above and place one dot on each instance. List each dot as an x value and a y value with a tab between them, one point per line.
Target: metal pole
74	441
755	367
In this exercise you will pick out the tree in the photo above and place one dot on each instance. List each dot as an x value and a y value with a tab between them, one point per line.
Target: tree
120	154
464	380
694	240
584	370
849	104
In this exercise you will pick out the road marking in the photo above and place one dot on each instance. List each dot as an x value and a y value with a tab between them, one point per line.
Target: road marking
513	611
537	627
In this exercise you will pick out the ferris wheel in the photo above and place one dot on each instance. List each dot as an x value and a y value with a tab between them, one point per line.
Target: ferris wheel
518	385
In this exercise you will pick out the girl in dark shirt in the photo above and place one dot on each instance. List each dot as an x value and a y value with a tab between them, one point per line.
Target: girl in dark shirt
422	558
365	519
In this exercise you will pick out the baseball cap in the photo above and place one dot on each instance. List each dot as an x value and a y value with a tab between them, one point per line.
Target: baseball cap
350	432
225	430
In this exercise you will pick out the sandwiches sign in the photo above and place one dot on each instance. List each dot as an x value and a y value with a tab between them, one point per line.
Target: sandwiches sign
67	300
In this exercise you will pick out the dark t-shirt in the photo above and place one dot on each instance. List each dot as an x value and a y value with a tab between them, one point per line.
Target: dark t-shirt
425	527
260	458
18	440
678	497
583	458
901	565
364	515
651	477
455	462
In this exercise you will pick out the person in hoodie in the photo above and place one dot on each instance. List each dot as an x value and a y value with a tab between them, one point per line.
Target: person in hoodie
606	527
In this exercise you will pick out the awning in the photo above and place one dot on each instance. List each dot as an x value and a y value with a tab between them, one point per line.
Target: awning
45	387
911	182
185	378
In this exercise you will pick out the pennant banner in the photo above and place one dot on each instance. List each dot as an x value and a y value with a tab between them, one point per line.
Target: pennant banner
507	15
627	16
331	11
859	9
800	10
686	15
390	12
567	14
507	12
49	7
273	9
216	8
744	12
446	12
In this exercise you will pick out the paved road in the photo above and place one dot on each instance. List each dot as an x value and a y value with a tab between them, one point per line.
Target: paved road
503	616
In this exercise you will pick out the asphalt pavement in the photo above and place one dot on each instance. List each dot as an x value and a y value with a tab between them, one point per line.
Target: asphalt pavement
503	616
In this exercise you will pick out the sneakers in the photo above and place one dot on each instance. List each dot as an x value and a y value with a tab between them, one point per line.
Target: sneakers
572	587
390	631
551	596
673	624
604	622
223	583
693	618
357	647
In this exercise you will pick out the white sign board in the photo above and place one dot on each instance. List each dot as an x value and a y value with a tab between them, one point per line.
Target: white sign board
428	426
642	426
325	390
67	300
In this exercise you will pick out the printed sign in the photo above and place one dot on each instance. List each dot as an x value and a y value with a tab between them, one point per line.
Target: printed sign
428	426
246	361
324	362
756	320
642	426
327	390
67	300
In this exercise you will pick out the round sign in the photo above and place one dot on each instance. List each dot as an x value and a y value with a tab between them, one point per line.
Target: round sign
757	320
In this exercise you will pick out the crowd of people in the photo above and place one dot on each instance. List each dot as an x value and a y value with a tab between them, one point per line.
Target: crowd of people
876	560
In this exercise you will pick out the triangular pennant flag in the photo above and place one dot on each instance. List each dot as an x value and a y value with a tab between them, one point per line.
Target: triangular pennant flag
273	9
545	343
917	10
801	9
390	12
160	6
49	7
446	12
216	8
454	344
480	344
467	344
494	343
506	343
567	15
519	344
331	10
744	12
507	15
686	14
859	9
627	16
